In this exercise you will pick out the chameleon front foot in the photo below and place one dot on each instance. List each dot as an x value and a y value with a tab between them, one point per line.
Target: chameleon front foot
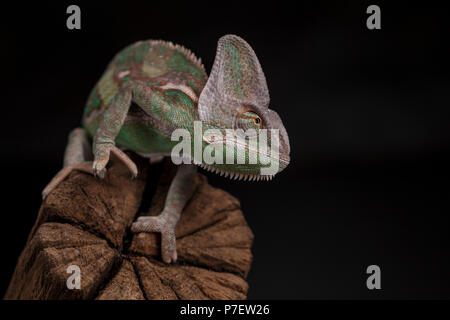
64	172
164	226
102	159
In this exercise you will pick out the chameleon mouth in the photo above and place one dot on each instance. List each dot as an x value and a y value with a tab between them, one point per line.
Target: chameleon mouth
236	175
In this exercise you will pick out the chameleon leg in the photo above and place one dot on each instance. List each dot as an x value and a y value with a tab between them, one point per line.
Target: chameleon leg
107	131
114	117
180	191
76	157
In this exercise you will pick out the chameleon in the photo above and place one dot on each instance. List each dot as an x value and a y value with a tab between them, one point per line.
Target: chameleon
153	87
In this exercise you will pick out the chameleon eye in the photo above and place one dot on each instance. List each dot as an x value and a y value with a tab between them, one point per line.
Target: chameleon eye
249	120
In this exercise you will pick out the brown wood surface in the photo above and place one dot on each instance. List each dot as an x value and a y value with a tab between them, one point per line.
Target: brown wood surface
86	222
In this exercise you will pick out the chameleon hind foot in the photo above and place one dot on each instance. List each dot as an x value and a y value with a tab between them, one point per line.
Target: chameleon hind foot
64	172
180	191
88	167
163	225
76	157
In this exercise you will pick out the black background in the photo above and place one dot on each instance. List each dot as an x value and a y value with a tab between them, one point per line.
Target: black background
367	112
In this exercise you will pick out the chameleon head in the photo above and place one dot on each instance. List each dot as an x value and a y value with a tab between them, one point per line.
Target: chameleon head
235	103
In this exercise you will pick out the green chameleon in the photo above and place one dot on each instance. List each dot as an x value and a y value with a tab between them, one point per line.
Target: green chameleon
153	87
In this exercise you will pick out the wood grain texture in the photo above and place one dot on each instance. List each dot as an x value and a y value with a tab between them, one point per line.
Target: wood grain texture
86	222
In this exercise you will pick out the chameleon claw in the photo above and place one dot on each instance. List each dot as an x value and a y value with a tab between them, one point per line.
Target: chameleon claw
99	169
123	157
168	245
101	174
99	165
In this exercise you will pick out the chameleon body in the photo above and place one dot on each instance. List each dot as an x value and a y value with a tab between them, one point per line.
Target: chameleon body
154	87
169	79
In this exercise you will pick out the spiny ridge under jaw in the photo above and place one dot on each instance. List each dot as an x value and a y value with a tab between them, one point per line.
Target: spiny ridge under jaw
236	175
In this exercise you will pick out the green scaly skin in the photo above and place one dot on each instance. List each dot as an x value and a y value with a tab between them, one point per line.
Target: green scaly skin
147	66
152	88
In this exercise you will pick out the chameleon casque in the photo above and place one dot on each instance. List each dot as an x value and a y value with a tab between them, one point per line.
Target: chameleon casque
150	89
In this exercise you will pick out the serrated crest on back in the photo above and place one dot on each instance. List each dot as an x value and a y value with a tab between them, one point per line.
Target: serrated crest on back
189	54
236	79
